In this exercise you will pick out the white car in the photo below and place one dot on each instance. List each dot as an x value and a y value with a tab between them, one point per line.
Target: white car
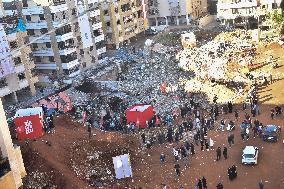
250	155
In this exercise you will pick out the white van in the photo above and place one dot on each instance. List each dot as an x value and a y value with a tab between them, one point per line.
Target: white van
250	155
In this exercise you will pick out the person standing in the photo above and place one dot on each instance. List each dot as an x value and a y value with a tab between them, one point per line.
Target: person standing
177	167
89	131
218	152
261	185
199	184
204	182
192	149
272	114
225	152
162	157
202	145
236	114
143	136
219	186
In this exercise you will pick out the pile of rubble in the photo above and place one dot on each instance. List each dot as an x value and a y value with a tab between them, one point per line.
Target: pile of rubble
39	180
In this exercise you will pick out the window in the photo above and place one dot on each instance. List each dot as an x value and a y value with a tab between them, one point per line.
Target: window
13	45
52	16
48	45
105	12
21	76
37	59
3	83
91	48
81	52
41	17
35	45
25	3
63	16
51	59
28	17
43	30
74	12
17	61
108	23
30	32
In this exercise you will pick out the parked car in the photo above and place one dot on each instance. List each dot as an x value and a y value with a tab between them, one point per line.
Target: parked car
271	133
250	155
151	31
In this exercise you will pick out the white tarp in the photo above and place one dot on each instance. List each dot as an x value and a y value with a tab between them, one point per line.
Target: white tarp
6	62
122	166
84	24
29	112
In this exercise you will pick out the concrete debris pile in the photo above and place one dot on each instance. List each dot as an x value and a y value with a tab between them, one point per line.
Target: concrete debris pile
224	94
227	57
37	179
143	82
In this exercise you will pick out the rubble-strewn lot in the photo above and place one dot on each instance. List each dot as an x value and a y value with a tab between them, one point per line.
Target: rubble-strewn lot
68	159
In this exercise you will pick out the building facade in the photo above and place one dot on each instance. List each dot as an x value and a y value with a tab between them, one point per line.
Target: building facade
244	14
175	12
123	20
11	162
17	69
66	37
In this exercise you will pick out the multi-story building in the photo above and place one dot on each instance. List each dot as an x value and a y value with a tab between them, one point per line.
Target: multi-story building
123	20
17	71
66	36
244	13
12	168
175	12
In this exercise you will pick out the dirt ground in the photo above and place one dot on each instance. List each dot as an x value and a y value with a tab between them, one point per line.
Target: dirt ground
60	156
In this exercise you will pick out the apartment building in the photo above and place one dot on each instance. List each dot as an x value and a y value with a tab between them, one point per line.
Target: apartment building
12	168
66	37
175	12
246	14
122	20
17	69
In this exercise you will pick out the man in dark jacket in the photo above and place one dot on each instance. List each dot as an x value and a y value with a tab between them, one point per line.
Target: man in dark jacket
218	152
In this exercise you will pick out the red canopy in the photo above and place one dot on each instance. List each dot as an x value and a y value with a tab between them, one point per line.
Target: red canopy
139	114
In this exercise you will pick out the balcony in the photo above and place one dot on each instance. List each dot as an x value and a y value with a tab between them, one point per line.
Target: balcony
67	51
4	91
16	53
64	37
238	5
95	13
93	1
47	66
58	8
36	25
97	25
33	10
99	38
74	73
58	24
39	39
43	52
101	50
20	68
10	12
70	65
23	83
12	37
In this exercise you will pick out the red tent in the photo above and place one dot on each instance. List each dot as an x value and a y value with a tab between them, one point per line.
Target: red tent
29	123
139	114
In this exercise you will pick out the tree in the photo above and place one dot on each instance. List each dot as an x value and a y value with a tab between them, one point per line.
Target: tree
276	19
